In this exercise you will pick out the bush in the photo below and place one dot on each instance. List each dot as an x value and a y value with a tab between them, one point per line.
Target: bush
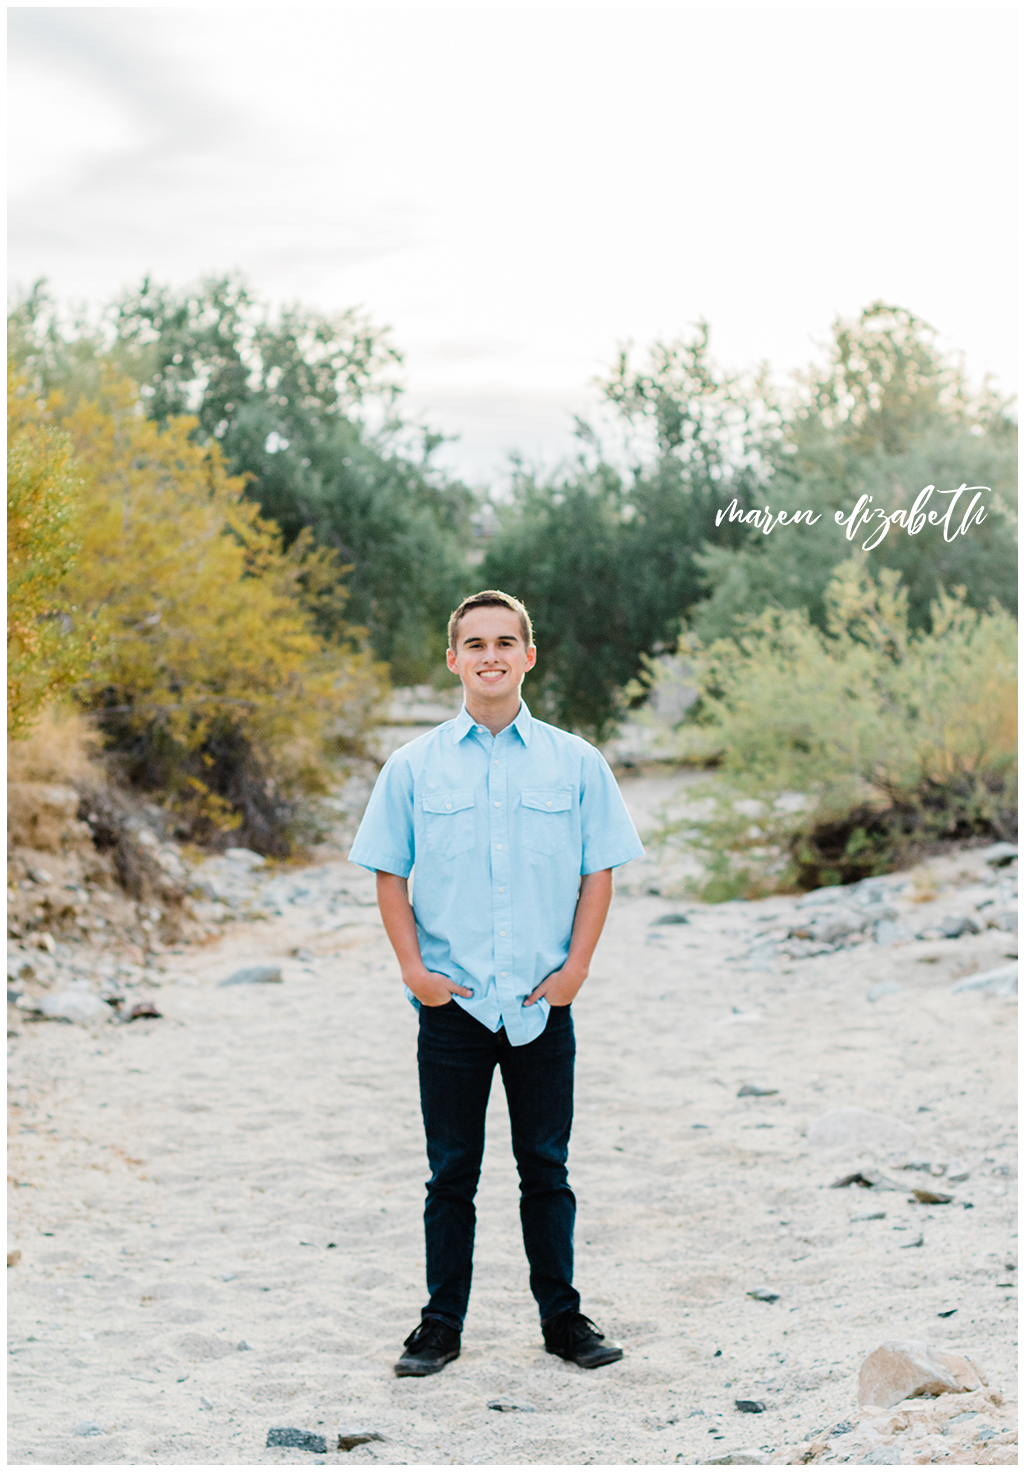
843	752
208	681
43	655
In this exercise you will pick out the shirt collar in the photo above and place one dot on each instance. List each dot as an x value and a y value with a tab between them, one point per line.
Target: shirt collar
523	723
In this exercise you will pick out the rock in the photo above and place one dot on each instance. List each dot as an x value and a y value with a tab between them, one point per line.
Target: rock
1003	920
141	1009
764	1295
752	1407
242	1344
857	1128
890	933
871	1178
957	1173
348	1438
998	855
245	858
45	942
305	1441
945	1313
882	1456
903	1369
74	1006
204	1404
249	975
14	1257
827	896
1001	981
884	989
932	1198
754	1091
89	1428
510	1405
745	1457
672	919
953	926
40	876
868	1216
917	1242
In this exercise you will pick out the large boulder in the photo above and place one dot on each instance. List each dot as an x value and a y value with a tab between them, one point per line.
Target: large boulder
902	1369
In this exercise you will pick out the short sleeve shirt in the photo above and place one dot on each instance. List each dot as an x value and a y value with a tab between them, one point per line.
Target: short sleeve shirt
496	832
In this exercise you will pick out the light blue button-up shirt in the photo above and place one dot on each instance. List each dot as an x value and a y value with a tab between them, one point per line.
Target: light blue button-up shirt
499	830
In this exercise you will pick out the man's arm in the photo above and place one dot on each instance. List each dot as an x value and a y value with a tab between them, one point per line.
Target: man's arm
591	911
429	987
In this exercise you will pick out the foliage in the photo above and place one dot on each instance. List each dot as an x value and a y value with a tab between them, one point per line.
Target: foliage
44	656
844	750
606	558
886	416
288	396
209	679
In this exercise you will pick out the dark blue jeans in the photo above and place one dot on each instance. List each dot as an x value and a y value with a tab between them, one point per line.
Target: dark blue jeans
457	1055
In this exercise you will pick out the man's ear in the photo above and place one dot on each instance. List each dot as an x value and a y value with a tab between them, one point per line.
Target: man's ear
449	655
531	657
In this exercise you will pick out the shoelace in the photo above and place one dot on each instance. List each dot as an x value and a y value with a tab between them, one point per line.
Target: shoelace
429	1332
580	1327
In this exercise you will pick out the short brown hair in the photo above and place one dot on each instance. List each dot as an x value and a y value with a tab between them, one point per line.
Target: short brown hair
491	598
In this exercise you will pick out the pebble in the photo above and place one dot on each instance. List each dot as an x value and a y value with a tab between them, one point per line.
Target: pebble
745	1457
753	1091
751	1407
348	1438
859	1128
871	1178
672	919
901	1369
764	1295
868	1216
89	1428
204	1404
932	1198
252	974
141	1009
306	1441
998	855
1004	920
954	926
510	1405
1001	981
242	1344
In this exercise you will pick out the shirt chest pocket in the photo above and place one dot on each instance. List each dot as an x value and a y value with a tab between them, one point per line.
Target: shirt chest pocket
449	823
547	820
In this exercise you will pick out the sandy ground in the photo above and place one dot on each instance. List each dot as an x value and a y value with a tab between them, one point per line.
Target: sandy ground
248	1170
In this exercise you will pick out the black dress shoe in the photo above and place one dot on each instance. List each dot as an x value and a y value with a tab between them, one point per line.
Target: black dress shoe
573	1336
429	1348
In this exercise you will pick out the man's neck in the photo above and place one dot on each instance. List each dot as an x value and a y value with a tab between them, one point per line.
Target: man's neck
495	718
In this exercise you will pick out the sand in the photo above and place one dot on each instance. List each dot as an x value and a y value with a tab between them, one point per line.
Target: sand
249	1169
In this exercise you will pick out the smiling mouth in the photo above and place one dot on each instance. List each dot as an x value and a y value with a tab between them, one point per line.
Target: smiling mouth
492	675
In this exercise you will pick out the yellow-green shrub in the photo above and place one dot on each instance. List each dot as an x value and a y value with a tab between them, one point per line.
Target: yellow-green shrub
209	676
840	752
44	656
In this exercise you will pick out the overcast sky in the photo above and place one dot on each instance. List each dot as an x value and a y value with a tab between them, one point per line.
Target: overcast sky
517	190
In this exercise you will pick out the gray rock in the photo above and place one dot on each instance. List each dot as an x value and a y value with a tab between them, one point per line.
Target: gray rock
89	1428
751	1407
859	1128
250	975
348	1438
882	1456
998	855
306	1441
510	1405
869	1178
74	1006
868	1216
884	989
672	919
1001	981
744	1457
890	933
754	1091
954	926
245	858
764	1295
242	1344
958	1420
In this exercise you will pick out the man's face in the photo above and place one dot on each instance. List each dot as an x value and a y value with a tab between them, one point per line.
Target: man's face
490	657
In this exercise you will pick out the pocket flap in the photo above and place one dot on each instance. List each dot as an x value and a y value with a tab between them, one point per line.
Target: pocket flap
546	800
447	802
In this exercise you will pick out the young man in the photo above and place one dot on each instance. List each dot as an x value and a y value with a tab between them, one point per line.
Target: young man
514	828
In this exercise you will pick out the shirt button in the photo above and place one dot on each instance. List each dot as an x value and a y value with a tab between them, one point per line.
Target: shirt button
497	845
504	973
497	804
547	804
447	804
501	932
501	889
